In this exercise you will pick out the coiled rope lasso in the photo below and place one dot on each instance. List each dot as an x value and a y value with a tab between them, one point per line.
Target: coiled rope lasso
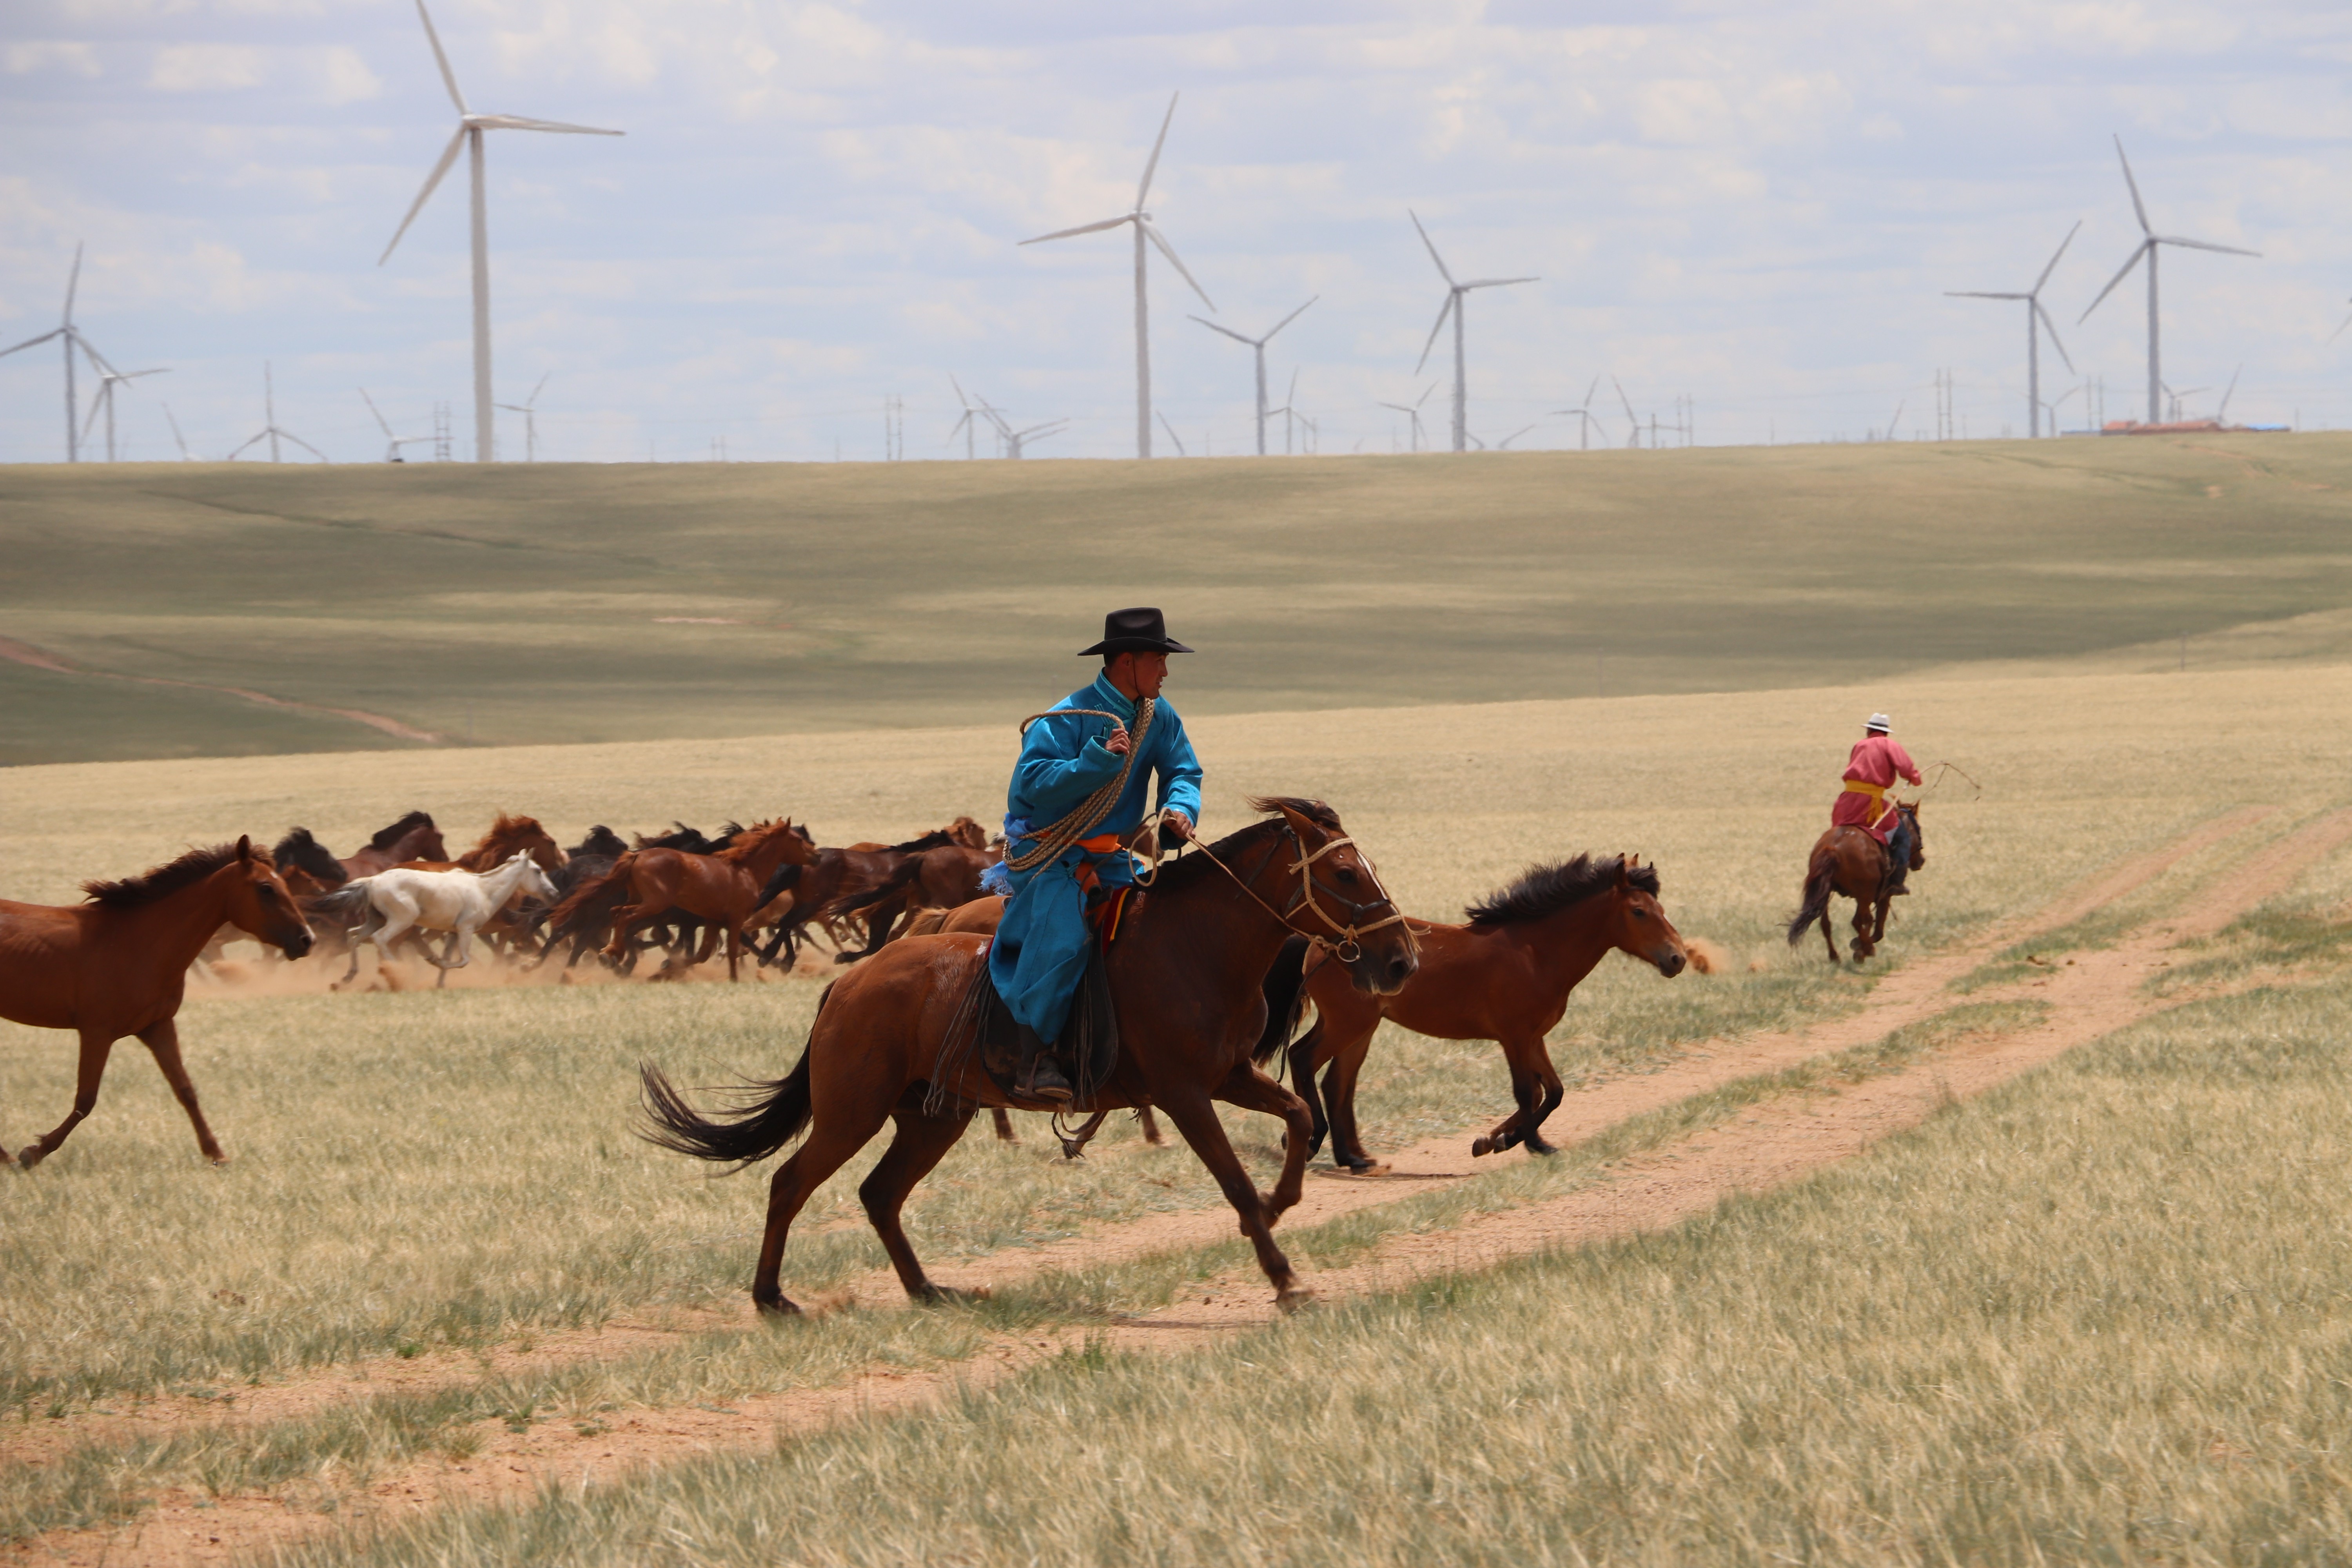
1092	811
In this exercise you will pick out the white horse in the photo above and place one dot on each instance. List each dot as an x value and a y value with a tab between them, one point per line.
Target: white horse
458	902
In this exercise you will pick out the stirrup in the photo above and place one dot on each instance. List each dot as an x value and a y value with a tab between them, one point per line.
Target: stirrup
1043	1080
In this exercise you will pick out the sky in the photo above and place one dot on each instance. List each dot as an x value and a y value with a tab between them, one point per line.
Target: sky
1743	215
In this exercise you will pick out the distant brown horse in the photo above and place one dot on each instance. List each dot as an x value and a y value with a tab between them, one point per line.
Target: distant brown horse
1504	977
830	877
1849	861
413	837
945	877
889	1041
117	965
722	889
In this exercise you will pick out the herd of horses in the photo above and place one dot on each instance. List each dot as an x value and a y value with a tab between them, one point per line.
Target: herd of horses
1208	977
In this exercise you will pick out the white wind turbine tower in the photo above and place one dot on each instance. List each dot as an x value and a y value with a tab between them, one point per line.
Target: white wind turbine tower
107	382
2036	319
270	432
470	127
1257	345
1143	231
2148	245
71	338
529	409
1585	420
1413	411
1453	306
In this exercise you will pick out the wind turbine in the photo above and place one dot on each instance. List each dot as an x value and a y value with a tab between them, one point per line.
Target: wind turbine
1632	418
528	408
1413	411
1291	418
270	432
1258	346
71	338
470	127
1015	439
2147	247
2036	318
1143	231
1453	307
107	382
2174	399
392	443
1584	412
969	424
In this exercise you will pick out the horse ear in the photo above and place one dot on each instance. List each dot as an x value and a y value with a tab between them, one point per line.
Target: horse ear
245	848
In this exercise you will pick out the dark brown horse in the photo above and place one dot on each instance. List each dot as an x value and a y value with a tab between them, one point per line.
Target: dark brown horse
1505	977
723	890
1186	976
945	877
116	964
830	877
413	837
1849	861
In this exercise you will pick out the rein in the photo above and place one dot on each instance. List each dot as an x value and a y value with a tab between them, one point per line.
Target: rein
1090	812
1348	947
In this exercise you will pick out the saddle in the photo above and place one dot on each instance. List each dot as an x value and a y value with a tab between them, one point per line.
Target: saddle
983	1030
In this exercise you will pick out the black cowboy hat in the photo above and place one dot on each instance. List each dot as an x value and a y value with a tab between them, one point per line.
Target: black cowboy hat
1140	630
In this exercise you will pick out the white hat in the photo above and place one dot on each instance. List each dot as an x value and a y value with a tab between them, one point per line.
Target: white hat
1878	722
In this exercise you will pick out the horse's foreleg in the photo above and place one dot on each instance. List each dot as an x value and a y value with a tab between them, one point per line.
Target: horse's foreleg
92	1069
918	1144
1196	1118
162	1042
1252	1089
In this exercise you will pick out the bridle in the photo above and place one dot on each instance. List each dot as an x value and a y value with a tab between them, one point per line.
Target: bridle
1345	940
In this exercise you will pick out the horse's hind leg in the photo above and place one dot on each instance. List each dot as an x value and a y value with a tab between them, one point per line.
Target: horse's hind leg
1302	1084
1340	1094
87	1075
1196	1118
827	1148
1829	936
162	1042
1534	1052
1151	1124
1004	1133
919	1143
1863	944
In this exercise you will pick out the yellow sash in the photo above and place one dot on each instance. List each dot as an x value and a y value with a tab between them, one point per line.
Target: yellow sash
1878	792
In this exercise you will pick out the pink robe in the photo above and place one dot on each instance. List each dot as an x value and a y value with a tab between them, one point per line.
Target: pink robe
1876	760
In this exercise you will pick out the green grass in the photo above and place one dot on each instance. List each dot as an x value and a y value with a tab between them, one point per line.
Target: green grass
565	603
2094	1317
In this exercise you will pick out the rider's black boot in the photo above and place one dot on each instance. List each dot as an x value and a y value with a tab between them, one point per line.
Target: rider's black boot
1038	1076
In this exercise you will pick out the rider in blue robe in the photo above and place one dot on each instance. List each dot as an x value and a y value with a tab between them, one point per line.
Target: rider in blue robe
1040	950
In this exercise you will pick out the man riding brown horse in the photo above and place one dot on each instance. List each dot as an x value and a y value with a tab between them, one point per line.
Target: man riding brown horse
1877	761
1078	792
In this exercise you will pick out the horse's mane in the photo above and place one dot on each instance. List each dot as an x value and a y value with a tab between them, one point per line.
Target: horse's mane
1546	890
507	828
1181	872
160	882
386	837
747	841
601	840
938	837
297	848
693	840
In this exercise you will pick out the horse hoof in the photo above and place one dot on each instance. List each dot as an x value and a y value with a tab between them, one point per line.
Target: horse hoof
1071	1149
778	1310
1292	1298
951	1295
30	1155
1479	1146
1538	1146
217	1161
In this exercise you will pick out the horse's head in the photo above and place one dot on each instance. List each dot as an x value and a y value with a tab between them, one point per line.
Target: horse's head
1638	924
1332	893
963	830
533	882
1910	810
260	904
524	833
421	843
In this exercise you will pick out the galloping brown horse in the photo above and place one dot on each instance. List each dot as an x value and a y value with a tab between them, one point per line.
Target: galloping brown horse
1849	861
1186	976
117	965
722	889
945	877
1504	978
413	837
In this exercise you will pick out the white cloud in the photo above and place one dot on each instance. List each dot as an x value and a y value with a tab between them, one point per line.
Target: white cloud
205	68
78	59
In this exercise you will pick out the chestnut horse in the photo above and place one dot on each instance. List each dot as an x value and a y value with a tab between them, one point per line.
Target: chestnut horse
1504	977
723	890
118	965
946	877
819	888
413	837
891	1039
1849	861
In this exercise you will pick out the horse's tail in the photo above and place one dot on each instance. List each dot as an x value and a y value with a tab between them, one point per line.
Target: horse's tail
1820	877
771	1116
561	917
1285	999
340	904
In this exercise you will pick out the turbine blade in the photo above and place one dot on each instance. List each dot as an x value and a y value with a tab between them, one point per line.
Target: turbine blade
34	343
233	456
524	122
134	375
306	446
532	401
1443	311
2053	327
379	414
1143	190
1499	282
1169	251
2202	245
105	395
1424	394
1588	394
73	283
1287	320
98	361
1625	400
448	157
2145	246
1980	294
1227	331
2223	413
2053	259
2137	205
1171	433
1082	228
1433	246
958	392
2331	337
449	77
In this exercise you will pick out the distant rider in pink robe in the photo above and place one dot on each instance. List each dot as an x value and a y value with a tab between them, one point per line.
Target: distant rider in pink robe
1876	763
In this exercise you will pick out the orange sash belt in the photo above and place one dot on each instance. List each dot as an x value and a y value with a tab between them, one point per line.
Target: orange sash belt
1878	792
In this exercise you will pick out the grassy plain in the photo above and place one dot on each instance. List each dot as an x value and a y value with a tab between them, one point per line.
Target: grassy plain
553	603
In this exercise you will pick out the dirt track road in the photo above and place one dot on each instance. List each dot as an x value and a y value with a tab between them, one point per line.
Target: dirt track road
1776	1141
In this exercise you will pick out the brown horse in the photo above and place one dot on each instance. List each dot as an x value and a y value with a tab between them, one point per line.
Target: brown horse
413	837
723	890
118	965
828	878
1849	861
890	1038
946	877
1504	977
